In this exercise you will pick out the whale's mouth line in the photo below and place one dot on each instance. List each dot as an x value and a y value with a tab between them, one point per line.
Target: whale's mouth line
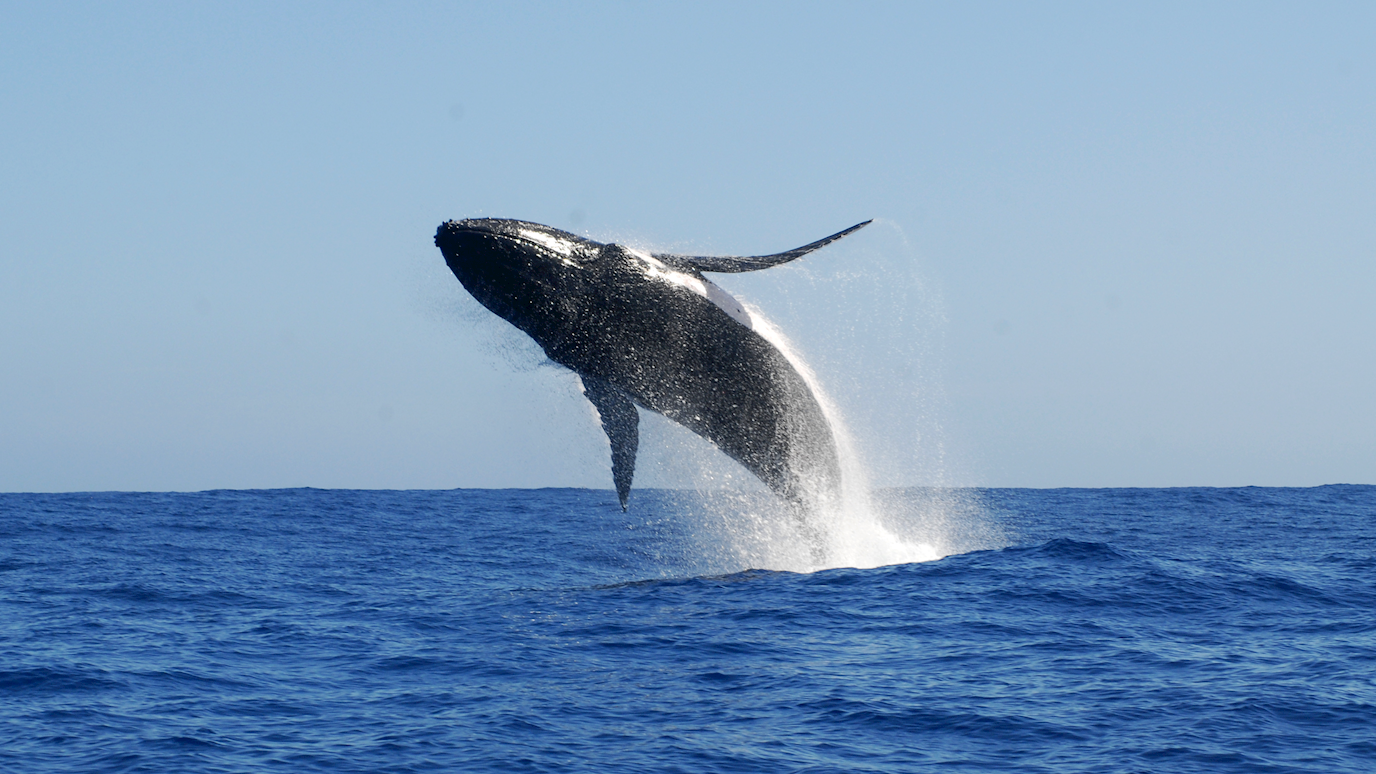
562	250
451	232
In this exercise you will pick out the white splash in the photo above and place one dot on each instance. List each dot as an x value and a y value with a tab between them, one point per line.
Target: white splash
853	531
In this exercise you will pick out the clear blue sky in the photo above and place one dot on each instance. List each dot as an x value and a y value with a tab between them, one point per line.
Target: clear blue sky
1117	245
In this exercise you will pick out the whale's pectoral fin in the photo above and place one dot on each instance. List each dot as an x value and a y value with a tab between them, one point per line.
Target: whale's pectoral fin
622	423
735	263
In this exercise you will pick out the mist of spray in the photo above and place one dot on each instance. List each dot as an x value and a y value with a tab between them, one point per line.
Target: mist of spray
851	530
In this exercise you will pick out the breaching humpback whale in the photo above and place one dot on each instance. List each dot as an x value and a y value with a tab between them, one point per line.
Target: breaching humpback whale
650	330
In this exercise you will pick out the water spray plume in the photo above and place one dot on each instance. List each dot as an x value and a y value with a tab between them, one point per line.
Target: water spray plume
850	528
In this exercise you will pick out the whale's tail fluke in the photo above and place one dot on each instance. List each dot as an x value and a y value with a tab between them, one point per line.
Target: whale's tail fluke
734	263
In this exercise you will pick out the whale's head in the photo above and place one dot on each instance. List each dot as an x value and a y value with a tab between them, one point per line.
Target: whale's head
524	272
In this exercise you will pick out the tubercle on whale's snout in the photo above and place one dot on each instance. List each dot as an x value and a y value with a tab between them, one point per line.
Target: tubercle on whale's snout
440	234
447	231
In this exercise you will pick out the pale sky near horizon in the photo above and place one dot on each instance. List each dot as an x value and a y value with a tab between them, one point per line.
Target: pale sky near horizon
1115	245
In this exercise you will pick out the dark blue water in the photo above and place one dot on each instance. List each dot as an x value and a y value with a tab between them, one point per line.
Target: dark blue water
1141	630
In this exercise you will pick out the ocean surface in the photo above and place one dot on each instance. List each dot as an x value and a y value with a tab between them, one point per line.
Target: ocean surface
1111	630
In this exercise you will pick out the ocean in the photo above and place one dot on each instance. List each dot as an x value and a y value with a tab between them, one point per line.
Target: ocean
1071	630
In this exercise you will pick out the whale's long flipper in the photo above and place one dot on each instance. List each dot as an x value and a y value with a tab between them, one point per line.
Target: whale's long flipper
622	423
735	263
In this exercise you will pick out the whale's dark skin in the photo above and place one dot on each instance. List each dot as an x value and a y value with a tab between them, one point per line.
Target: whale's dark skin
650	330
